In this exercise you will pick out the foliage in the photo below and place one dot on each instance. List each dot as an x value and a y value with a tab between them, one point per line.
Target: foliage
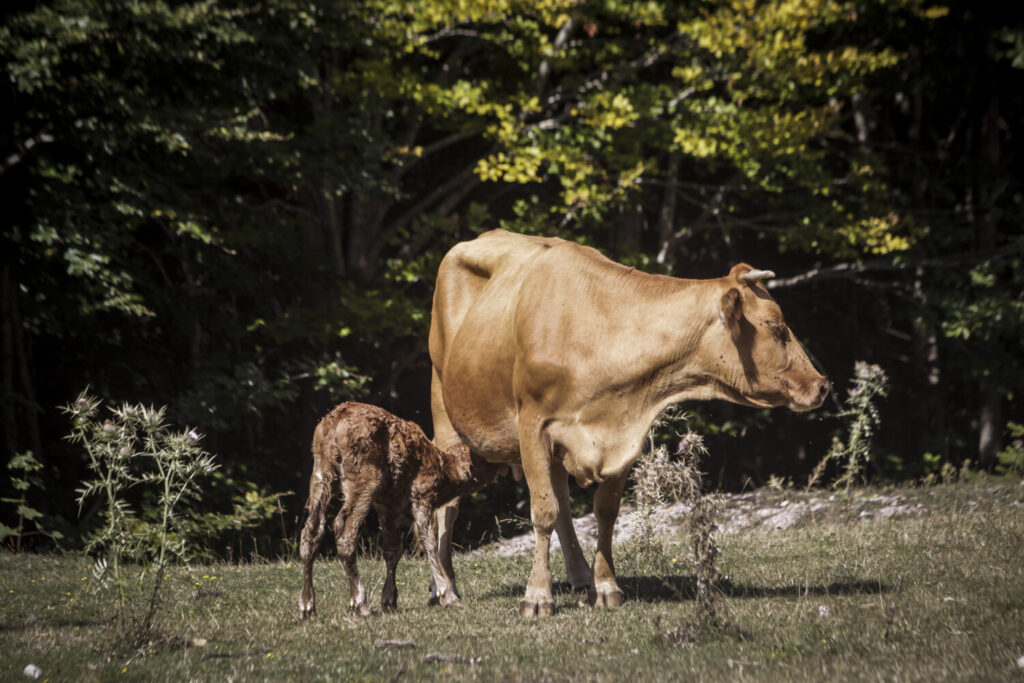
24	483
238	210
136	448
1011	458
861	414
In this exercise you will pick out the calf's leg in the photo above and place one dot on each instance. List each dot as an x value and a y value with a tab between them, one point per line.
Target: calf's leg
445	517
443	585
312	535
346	531
391	533
445	437
605	591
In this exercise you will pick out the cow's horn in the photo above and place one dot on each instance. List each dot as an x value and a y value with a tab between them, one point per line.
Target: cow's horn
752	276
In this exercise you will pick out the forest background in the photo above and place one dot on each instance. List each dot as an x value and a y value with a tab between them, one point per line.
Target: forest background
237	209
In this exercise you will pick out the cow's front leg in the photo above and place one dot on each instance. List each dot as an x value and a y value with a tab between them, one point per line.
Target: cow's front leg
605	592
538	600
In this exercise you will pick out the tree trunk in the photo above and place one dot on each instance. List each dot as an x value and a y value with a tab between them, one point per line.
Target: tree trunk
990	389
667	239
8	416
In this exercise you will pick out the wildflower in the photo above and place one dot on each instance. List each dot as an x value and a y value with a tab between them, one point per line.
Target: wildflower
823	611
193	434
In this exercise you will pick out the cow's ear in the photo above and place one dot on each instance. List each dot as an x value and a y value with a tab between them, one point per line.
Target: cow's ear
730	311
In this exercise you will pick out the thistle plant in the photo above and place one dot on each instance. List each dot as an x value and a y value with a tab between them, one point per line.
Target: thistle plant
660	478
135	448
869	384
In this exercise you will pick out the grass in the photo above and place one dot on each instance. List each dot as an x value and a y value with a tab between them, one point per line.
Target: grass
933	596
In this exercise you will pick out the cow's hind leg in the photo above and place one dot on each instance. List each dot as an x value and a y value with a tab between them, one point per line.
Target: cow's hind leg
346	533
605	591
391	534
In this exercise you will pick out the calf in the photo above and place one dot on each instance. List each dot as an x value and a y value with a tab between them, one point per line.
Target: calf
372	457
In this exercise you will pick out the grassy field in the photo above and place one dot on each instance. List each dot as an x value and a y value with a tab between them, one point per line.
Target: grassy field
937	595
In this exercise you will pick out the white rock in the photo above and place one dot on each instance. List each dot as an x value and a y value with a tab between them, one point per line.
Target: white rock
33	671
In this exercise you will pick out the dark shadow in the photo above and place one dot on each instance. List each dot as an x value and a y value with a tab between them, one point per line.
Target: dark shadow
519	589
59	622
678	588
682	588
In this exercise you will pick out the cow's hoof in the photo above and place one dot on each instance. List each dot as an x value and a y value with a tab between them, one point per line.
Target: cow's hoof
388	606
532	609
362	610
610	600
307	613
433	601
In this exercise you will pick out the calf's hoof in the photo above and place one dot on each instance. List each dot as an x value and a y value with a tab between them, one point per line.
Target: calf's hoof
529	609
388	606
362	610
307	612
452	601
605	600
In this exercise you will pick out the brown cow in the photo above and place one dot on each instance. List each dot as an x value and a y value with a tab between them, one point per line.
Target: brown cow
372	457
548	354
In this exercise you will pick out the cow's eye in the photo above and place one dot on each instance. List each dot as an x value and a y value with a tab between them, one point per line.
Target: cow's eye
780	332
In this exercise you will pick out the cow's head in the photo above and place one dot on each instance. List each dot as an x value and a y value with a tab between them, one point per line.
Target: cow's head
773	368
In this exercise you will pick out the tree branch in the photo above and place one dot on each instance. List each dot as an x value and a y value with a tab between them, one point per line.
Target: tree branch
850	270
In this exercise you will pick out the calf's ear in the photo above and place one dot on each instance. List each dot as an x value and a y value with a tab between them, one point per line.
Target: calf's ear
730	311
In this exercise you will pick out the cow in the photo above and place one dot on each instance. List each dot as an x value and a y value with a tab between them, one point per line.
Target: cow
548	355
371	457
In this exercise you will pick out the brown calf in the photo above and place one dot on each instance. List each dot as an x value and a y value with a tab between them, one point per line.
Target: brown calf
372	457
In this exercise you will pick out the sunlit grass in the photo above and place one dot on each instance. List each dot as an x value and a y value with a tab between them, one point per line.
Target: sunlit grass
820	601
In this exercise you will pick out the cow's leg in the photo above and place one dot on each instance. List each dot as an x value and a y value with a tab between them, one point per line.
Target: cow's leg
445	437
309	545
576	568
391	534
605	592
346	532
422	514
538	600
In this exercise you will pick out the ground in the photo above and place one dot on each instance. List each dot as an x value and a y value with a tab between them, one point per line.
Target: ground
907	584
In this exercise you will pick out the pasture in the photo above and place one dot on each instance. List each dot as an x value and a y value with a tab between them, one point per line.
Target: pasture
935	592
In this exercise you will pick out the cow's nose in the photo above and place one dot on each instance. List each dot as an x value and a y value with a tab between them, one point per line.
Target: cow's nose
823	390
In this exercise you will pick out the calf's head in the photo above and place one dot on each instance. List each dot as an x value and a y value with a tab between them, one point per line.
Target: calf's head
760	360
457	463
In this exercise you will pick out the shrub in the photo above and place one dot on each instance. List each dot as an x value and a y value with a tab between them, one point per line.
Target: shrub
24	470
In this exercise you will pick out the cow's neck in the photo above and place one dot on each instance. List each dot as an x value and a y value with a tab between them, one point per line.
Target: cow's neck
656	355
